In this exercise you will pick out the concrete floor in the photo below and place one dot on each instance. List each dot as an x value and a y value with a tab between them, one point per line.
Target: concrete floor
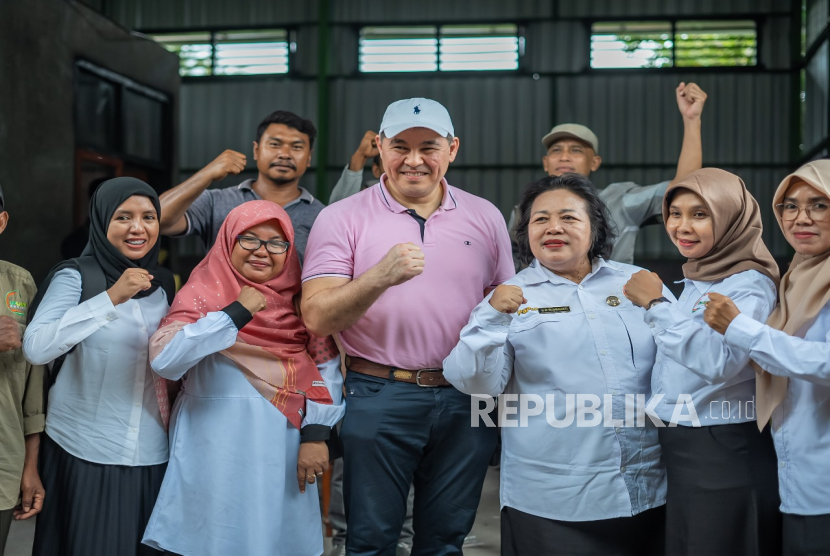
485	530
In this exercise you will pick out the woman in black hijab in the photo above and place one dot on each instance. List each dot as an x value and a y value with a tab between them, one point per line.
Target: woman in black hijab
104	450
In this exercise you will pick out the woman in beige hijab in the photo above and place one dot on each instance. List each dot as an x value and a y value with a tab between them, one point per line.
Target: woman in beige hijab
721	494
791	353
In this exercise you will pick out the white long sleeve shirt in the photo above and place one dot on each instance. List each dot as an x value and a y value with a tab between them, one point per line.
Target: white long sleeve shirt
695	360
800	425
103	406
600	346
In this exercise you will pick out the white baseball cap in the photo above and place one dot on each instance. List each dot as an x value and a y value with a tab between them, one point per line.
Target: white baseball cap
416	112
571	130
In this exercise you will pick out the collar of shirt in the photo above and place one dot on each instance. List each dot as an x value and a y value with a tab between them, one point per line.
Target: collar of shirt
304	193
448	202
538	274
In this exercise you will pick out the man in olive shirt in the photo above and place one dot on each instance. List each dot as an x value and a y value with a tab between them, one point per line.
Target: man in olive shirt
21	400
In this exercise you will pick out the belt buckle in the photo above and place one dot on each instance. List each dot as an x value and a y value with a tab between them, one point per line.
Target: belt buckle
418	378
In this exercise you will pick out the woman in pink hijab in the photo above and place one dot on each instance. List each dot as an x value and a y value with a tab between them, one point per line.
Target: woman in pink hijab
259	398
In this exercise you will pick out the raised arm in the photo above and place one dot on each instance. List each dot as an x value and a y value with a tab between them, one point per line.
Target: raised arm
176	349
351	180
690	101
61	322
176	201
331	304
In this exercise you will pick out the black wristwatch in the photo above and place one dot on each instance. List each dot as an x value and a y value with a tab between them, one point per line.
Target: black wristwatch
657	301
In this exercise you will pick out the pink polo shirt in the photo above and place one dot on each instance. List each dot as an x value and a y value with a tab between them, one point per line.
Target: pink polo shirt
416	324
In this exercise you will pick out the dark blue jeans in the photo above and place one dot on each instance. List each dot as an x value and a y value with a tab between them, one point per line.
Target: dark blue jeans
396	434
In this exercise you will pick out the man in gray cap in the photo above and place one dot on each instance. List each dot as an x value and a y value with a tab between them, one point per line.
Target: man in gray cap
575	148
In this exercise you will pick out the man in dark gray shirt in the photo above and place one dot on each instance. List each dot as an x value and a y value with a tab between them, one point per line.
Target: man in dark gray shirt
282	151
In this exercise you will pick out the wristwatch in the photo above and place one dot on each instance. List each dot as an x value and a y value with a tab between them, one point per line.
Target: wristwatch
657	301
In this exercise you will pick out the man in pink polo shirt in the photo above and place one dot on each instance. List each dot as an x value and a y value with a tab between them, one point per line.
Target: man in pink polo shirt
396	270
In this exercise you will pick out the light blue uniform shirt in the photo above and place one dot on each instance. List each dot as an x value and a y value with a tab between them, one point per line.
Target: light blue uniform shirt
801	425
694	359
231	484
570	473
103	406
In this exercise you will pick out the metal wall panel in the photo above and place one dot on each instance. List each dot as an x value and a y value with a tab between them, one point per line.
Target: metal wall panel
653	8
818	12
557	46
343	50
775	42
817	98
498	120
439	11
223	115
746	119
180	14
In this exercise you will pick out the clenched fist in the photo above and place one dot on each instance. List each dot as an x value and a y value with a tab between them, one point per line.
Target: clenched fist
229	162
366	150
9	334
643	287
402	263
133	280
690	100
507	299
720	312
252	299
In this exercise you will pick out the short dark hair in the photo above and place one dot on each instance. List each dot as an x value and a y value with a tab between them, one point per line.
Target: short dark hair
602	228
291	120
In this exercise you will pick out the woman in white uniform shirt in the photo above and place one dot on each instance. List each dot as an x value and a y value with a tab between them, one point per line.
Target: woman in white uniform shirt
561	328
104	452
722	494
792	354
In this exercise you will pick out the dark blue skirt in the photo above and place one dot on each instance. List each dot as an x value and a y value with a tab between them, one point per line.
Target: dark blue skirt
92	509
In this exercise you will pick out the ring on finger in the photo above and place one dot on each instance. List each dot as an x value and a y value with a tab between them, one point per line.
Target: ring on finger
319	473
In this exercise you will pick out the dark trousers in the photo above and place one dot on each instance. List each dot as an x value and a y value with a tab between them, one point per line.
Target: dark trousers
722	491
523	534
396	434
806	535
337	510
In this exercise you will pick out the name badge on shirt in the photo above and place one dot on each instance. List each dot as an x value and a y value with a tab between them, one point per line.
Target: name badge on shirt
545	310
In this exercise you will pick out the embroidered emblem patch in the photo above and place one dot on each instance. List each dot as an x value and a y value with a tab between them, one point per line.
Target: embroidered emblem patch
417	110
15	305
700	303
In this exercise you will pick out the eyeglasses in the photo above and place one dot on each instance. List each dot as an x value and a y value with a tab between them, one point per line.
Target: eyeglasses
817	212
273	246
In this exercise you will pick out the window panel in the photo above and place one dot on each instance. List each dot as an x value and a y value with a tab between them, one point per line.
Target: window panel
446	48
685	43
237	52
715	43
